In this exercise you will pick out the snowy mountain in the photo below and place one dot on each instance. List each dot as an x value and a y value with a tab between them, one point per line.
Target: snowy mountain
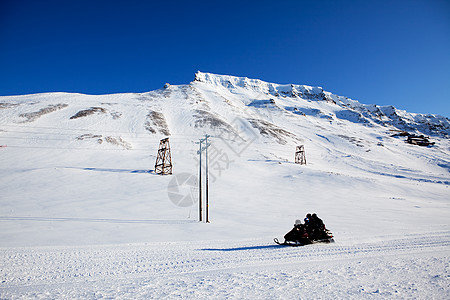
78	181
295	98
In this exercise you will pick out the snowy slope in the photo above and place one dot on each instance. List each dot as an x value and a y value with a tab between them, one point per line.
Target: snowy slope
77	181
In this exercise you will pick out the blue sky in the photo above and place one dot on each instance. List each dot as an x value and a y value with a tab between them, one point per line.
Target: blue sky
378	52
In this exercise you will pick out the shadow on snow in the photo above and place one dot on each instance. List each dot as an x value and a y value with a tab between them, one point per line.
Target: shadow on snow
114	170
244	248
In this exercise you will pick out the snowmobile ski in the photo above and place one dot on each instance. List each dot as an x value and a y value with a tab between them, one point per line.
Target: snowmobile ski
297	244
288	243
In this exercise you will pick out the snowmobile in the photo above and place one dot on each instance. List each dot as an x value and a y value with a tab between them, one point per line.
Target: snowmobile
300	235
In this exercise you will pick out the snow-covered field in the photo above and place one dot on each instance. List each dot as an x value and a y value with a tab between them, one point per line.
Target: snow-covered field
414	267
83	215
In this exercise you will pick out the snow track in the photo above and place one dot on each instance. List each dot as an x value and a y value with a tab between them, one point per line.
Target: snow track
185	269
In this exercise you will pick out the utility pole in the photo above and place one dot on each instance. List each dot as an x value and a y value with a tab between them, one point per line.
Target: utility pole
199	152
200	212
163	165
207	200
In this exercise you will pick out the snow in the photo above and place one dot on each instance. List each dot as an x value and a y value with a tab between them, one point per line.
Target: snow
83	215
408	268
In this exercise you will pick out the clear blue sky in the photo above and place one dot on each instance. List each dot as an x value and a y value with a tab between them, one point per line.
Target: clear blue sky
394	52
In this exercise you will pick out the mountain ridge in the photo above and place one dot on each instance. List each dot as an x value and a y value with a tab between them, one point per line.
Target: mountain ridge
383	115
261	93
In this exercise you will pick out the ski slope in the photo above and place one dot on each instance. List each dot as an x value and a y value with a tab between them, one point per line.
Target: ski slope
84	216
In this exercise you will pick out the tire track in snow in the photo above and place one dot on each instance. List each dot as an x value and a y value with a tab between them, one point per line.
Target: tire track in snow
65	265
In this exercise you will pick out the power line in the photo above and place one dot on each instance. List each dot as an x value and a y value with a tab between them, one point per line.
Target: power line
100	149
89	130
141	138
62	148
79	138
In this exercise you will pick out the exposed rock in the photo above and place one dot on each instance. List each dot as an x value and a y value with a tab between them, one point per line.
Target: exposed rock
88	112
272	131
158	120
32	116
